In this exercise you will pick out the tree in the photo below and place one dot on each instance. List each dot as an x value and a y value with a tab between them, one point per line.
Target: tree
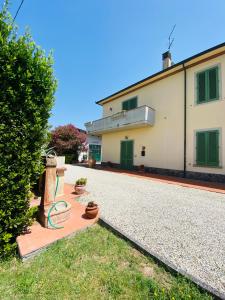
27	87
68	140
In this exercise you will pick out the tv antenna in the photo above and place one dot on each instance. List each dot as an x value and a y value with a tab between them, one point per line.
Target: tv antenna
171	40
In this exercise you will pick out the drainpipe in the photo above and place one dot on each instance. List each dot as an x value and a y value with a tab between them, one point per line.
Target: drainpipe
185	119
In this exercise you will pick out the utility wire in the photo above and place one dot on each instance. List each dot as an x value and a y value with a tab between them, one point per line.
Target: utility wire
18	10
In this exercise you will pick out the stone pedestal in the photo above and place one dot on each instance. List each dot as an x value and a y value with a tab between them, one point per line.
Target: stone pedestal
60	212
49	184
60	174
48	189
58	215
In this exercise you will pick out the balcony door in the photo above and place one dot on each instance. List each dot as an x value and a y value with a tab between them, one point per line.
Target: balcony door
126	154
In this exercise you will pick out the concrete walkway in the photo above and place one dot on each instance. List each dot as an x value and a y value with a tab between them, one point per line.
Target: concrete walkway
184	226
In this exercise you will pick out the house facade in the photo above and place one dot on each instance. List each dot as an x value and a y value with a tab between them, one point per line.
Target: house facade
172	122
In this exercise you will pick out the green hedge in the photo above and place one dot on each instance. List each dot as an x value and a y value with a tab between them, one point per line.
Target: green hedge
27	88
70	158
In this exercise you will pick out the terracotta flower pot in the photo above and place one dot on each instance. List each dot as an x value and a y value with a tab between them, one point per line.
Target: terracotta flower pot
79	189
91	163
91	210
141	168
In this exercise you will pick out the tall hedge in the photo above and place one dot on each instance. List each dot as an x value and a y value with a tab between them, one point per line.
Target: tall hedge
27	87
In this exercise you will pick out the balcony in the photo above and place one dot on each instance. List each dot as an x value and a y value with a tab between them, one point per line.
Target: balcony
135	118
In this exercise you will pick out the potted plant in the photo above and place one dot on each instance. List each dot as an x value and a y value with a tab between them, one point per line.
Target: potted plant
80	186
91	210
141	168
110	164
91	162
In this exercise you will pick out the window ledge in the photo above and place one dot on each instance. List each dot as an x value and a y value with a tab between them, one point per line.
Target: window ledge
210	167
209	101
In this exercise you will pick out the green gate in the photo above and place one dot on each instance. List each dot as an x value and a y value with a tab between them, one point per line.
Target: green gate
126	154
95	152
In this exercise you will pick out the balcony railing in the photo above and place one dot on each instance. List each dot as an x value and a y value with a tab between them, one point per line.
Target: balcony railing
134	118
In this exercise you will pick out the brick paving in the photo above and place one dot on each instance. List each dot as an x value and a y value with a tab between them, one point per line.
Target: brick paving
39	237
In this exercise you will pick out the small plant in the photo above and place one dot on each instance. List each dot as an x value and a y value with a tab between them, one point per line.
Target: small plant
141	168
81	181
91	210
92	204
110	164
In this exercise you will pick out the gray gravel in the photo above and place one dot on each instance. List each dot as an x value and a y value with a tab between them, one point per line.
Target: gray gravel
185	226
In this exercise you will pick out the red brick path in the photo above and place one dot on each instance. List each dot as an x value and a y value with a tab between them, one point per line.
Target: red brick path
40	237
196	184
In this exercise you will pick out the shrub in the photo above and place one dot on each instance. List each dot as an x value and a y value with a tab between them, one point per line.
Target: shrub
26	98
33	214
68	140
70	158
81	181
110	164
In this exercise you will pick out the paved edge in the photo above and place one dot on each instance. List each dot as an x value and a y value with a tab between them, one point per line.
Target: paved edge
44	248
161	261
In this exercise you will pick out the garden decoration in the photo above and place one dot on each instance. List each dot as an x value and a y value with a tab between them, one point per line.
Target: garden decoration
91	210
80	186
52	212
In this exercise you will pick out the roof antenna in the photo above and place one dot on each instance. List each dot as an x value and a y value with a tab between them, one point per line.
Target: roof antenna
171	40
166	57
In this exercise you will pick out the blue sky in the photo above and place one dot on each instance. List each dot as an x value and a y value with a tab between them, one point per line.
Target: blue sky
102	46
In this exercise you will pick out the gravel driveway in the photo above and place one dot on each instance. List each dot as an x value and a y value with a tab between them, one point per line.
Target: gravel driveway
185	226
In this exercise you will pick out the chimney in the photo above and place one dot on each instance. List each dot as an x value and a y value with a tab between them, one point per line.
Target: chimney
167	62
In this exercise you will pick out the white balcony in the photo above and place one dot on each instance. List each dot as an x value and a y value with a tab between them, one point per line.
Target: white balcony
139	117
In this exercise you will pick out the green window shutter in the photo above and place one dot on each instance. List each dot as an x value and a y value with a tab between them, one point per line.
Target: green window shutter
133	103
207	148
125	105
201	87
208	85
201	148
213	148
213	84
129	104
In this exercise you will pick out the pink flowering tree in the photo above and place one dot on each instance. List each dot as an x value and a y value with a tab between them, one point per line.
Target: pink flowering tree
68	140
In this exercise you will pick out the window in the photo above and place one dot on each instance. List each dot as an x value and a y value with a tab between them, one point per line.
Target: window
208	85
207	148
129	104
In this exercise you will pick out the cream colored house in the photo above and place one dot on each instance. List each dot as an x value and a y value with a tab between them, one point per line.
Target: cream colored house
172	122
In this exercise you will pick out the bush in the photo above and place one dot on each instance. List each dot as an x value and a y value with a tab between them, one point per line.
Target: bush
26	98
70	158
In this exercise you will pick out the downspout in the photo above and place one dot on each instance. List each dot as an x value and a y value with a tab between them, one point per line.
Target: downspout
185	120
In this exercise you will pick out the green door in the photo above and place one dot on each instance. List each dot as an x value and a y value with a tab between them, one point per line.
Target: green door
126	154
95	152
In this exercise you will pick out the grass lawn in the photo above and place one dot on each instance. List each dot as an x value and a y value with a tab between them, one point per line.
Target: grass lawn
94	264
